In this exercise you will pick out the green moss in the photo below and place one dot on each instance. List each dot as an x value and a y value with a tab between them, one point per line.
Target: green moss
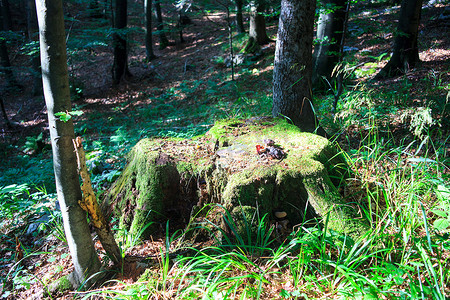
64	284
328	203
303	184
146	181
304	180
221	130
249	187
60	285
146	276
184	167
251	46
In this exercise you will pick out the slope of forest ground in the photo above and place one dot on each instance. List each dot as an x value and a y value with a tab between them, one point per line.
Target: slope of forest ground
394	133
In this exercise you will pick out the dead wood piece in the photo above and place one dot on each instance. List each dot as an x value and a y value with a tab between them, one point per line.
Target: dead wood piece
89	204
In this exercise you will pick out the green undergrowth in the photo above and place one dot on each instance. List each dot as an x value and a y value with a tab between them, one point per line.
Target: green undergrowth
404	191
394	137
29	220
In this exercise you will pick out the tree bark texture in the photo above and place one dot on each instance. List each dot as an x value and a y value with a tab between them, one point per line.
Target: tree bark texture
57	97
239	16
148	30
163	41
330	38
292	66
120	67
406	52
257	28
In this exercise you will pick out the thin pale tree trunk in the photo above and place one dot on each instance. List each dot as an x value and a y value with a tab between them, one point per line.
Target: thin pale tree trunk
55	79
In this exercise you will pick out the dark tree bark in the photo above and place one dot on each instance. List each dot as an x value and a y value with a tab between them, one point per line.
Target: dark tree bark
5	115
163	41
5	63
94	9
6	15
239	17
257	29
406	52
183	21
107	9
293	65
55	79
120	67
33	35
330	36
148	30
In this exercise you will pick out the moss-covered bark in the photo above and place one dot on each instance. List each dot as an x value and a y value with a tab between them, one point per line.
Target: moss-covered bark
166	179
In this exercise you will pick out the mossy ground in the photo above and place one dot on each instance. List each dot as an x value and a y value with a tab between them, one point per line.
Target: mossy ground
167	178
60	285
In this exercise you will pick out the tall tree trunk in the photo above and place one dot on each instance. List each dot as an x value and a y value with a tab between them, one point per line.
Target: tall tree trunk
330	36
148	30
4	59
55	79
239	16
33	35
5	115
94	9
292	66
120	67
6	15
163	41
6	65
406	52
258	22
183	21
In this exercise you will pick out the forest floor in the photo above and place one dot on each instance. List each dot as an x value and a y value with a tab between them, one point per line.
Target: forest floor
199	61
181	93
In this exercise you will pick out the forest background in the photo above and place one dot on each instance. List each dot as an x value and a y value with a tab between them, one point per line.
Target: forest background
393	132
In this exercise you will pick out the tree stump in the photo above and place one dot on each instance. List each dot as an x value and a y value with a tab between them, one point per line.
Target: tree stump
168	179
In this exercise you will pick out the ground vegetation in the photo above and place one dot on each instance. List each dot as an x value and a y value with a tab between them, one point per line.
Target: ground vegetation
393	134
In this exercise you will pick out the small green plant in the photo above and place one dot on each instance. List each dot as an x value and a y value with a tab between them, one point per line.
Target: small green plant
366	69
130	239
10	200
56	226
421	120
164	260
34	144
76	89
67	115
442	210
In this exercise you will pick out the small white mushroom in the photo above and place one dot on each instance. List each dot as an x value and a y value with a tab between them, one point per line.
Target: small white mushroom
280	214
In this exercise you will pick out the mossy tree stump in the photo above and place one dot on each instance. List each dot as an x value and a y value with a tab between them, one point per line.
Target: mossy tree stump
166	179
